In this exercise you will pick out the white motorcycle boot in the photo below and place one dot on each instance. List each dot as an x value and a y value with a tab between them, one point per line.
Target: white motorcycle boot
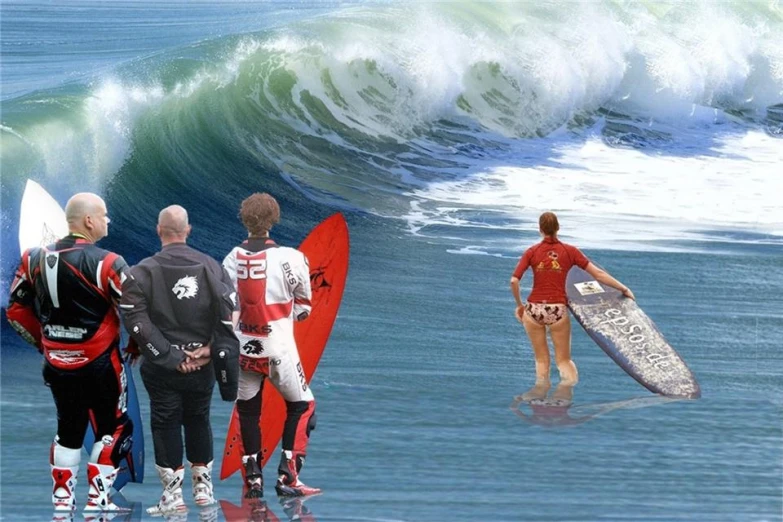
101	478
65	469
64	479
171	501
201	477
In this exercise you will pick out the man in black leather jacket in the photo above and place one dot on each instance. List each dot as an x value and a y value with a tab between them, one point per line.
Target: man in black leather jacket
177	305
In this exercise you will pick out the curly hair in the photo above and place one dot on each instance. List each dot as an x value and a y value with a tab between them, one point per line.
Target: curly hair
259	213
548	223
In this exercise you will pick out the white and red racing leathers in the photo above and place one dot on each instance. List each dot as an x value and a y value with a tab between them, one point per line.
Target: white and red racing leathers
273	291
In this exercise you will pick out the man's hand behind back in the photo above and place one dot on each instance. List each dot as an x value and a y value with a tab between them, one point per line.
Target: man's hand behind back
195	360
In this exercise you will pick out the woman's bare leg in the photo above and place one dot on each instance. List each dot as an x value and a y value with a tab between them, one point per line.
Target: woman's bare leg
537	335
561	339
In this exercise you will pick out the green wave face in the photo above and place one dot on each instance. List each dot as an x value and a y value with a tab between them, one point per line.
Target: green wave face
364	105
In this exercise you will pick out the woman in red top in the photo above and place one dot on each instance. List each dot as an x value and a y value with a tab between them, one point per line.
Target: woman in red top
546	305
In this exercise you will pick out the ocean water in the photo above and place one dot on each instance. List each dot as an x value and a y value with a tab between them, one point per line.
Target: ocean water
441	131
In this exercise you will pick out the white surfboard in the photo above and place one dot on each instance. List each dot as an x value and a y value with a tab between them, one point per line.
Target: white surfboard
41	218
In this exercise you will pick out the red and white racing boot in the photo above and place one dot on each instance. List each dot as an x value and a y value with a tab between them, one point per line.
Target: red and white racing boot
288	483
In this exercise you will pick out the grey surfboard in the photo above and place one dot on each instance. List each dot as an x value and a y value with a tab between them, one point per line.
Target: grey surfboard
629	337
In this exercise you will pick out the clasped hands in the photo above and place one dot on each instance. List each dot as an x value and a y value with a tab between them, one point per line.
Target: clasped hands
195	359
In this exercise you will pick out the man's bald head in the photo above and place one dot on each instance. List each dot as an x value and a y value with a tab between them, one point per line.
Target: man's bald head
86	215
83	204
173	226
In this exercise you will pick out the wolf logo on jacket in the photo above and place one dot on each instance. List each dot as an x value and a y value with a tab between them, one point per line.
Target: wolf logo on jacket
63	300
186	288
273	290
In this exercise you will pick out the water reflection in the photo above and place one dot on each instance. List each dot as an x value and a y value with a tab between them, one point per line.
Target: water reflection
133	515
259	511
539	407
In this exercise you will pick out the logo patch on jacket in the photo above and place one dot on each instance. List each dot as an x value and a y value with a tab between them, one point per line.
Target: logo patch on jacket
186	288
253	347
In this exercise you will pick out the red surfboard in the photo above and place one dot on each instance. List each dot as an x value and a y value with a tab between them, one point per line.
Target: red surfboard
327	249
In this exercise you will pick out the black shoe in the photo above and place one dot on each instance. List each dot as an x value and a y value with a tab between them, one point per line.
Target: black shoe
254	480
297	489
254	492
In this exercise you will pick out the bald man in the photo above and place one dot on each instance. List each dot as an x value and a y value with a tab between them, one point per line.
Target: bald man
63	301
177	305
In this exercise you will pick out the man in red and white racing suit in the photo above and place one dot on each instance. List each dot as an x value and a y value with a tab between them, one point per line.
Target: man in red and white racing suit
64	301
273	291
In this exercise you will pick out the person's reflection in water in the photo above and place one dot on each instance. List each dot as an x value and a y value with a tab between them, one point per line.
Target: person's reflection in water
558	410
295	509
106	516
176	517
251	510
208	513
256	510
134	515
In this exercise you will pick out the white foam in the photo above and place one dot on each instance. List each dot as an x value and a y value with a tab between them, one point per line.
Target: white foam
622	198
111	113
93	143
524	70
473	250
